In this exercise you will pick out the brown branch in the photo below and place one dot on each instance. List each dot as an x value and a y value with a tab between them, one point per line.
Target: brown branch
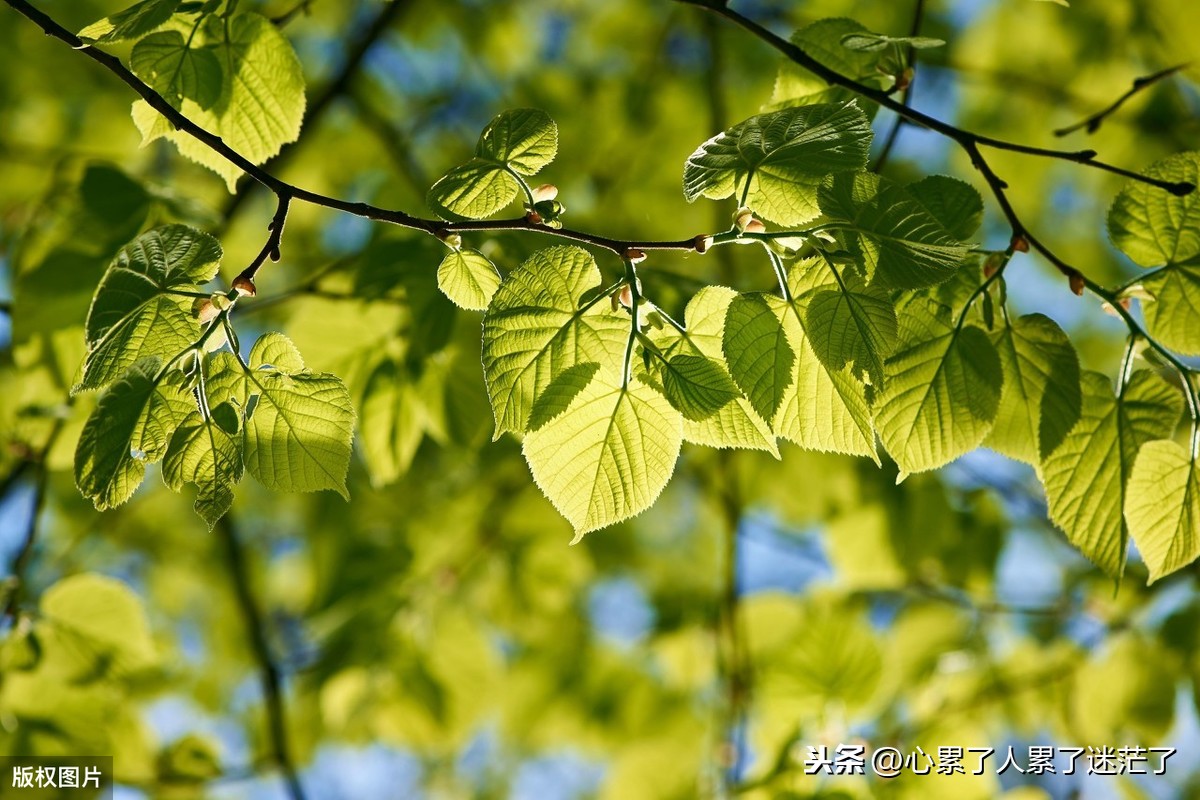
1093	123
272	683
964	138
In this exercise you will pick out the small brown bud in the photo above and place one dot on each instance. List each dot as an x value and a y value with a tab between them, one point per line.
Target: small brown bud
992	264
635	256
1077	284
534	217
754	226
244	286
742	218
702	243
626	296
1020	243
204	310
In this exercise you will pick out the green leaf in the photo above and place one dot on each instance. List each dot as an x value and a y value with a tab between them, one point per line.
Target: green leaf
697	386
176	71
898	242
207	452
1153	226
133	313
735	424
875	42
130	427
855	326
777	160
468	278
525	139
1173	315
536	327
955	204
98	625
393	422
474	190
1042	398
822	40
608	456
758	353
941	392
1086	478
822	409
561	391
131	23
1162	507
299	430
261	103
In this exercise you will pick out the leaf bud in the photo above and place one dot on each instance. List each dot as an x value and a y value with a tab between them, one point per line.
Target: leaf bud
1077	284
635	256
547	191
244	286
1019	243
992	264
204	310
702	243
742	218
755	226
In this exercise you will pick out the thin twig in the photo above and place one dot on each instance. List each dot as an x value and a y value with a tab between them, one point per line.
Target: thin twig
41	475
1093	123
906	93
271	248
272	683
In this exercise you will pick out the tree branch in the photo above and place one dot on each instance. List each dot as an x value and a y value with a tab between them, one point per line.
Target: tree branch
964	138
1093	123
269	673
37	462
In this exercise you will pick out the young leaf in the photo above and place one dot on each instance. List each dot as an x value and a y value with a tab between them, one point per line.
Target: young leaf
299	429
99	623
131	23
941	392
608	456
1042	398
525	139
133	313
206	453
393	422
1156	228
131	427
261	102
1086	477
795	86
175	70
735	424
757	350
535	328
896	239
475	190
1162	507
876	42
777	160
852	324
468	278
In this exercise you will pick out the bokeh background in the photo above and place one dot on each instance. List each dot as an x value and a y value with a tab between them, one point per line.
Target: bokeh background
436	637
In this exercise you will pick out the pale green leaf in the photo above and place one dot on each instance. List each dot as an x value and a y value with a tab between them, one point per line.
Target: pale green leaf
299	430
941	392
735	424
468	278
955	204
899	243
852	324
133	313
796	86
1086	477
393	422
822	409
1173	310
98	623
697	386
1042	398
261	103
777	160
131	427
556	397
758	353
524	138
537	326
176	71
130	23
608	456
1153	226
876	42
207	452
474	190
1162	507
